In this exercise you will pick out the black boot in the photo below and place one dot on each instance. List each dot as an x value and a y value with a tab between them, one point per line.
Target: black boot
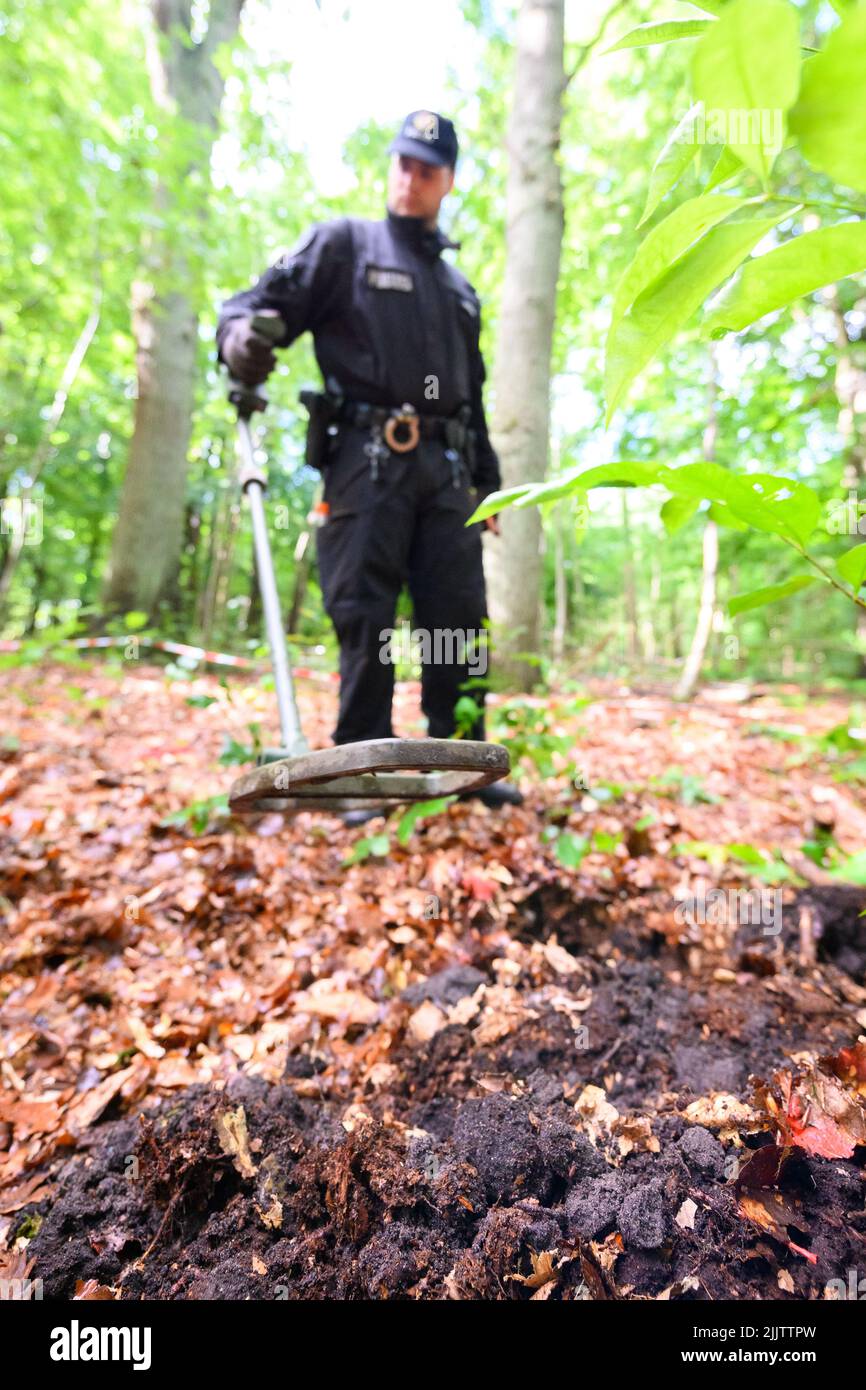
361	815
496	795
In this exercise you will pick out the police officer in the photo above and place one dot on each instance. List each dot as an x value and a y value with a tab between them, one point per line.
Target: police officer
399	434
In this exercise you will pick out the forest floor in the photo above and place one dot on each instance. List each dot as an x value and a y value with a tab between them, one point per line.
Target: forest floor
525	1054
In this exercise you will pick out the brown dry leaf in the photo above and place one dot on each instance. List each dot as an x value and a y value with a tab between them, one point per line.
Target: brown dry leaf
560	960
773	1212
142	1039
635	1132
90	1106
596	1112
273	1217
467	1008
543	1271
503	1011
427	1020
30	1116
35	1189
347	1006
685	1217
355	1117
91	1290
687	1285
231	1128
725	1113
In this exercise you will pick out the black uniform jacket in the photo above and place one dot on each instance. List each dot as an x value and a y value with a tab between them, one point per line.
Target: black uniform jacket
392	322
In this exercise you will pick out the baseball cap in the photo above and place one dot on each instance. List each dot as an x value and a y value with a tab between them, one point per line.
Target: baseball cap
427	136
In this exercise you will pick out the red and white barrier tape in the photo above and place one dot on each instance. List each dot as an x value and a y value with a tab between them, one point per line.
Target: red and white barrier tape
178	649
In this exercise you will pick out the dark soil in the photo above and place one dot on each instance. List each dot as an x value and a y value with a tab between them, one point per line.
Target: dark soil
483	1169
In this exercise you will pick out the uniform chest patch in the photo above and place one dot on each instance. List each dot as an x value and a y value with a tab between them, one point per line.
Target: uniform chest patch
381	278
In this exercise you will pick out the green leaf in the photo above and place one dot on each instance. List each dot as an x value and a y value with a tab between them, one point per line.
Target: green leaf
676	155
379	845
419	811
772	281
664	32
773	592
747	854
852	869
634	473
748	67
498	501
571	850
662	309
721	513
852	566
828	118
677	511
725	167
666	243
781	506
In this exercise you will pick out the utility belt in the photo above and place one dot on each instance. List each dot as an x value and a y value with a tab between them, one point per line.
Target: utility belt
393	429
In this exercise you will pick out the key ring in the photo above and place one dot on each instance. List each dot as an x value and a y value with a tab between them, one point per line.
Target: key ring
407	418
375	451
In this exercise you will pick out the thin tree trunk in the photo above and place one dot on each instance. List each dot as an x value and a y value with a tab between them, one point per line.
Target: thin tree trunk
149	532
632	632
302	572
687	684
560	585
218	524
648	633
43	448
850	385
534	227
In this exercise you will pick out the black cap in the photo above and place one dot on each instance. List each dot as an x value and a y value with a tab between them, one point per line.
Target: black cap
427	136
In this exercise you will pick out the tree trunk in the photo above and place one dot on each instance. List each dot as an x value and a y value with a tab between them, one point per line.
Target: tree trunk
521	413
303	551
632	625
850	385
42	452
149	532
685	687
560	585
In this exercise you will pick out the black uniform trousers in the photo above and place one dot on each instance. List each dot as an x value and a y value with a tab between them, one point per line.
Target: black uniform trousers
404	526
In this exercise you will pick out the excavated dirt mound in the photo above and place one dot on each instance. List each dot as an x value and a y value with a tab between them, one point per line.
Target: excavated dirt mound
490	1167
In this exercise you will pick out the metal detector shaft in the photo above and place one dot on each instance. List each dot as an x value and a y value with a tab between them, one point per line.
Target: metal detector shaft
253	483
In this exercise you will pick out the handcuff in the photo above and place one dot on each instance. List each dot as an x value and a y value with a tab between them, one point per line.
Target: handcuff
385	436
391	434
407	418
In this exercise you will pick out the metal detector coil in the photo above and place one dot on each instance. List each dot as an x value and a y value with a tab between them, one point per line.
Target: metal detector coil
382	772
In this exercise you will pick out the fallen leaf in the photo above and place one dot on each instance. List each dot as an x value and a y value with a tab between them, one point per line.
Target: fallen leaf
231	1128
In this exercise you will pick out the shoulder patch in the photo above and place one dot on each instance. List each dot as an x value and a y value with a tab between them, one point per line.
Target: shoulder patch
285	258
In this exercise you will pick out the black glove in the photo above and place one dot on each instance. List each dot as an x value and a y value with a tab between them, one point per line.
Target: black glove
248	356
